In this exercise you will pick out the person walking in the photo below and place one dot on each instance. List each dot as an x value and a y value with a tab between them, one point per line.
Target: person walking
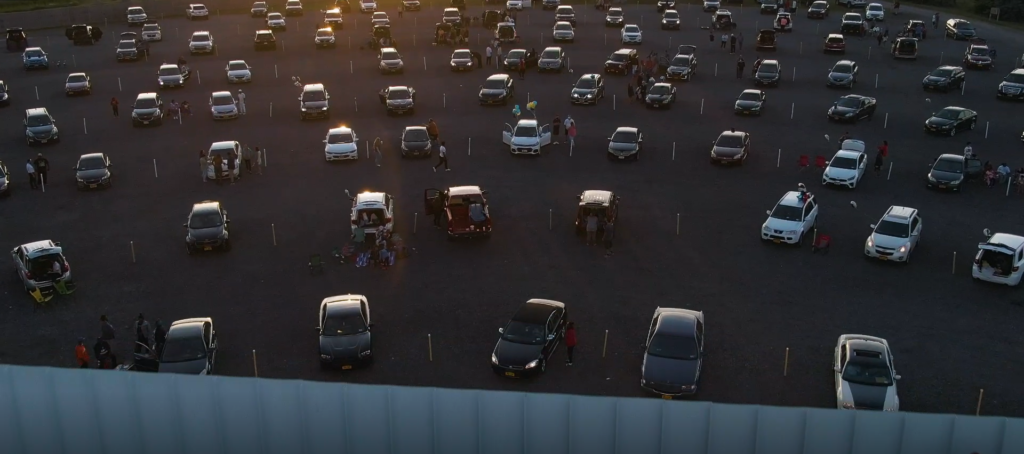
570	342
432	131
740	64
732	44
556	126
107	332
437	206
501	55
204	164
232	162
591	229
479	61
241	102
609	236
740	41
376	150
935	20
42	166
630	90
490	55
711	37
159	338
259	160
522	69
247	159
969	152
217	162
82	354
33	178
725	40
142	332
442	158
879	161
113	106
570	131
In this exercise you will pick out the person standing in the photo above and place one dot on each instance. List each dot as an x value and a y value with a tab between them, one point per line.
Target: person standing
42	166
591	229
142	332
232	162
241	102
479	61
376	150
501	55
725	40
609	236
442	158
732	44
107	333
101	350
556	126
432	131
969	152
740	41
711	37
880	38
740	64
259	160
570	130
113	106
490	55
204	164
522	69
935	20
247	159
217	169
159	338
33	178
570	342
82	354
879	161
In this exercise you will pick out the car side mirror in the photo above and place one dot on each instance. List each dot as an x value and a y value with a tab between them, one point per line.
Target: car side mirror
325	140
897	377
185	225
501	330
872	226
316	328
74	168
370	325
551	337
768	212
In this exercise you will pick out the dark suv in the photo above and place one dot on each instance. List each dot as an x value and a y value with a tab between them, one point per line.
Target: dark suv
40	127
960	29
207	228
603	204
497	89
621	60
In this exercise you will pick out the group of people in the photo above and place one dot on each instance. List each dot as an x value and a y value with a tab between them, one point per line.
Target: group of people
593	222
382	253
730	40
1004	175
250	159
37	170
643	84
149	342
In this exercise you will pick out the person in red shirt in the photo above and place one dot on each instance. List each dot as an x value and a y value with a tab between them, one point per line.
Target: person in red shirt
570	342
81	354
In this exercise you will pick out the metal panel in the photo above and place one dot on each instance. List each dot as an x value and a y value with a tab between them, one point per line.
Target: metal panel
1013	437
877	432
223	414
547	424
456	425
11	432
367	418
979	434
282	418
685	427
412	424
501	422
927	433
38	408
780	430
733	429
828	431
326	429
591	425
639	426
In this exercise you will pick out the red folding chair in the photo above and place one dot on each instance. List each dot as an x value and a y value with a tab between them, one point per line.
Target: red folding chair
820	162
821	243
804	161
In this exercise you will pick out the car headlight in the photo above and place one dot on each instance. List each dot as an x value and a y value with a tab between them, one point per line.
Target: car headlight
870	242
931	178
532	364
904	248
790	232
755	108
325	356
304	109
29	133
494	359
79	179
847	405
365	354
590	95
958	180
764	227
161	81
454	64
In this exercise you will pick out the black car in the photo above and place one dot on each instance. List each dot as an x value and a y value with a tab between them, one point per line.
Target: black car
750	102
345	330
769	6
207	228
190	347
530	337
549	4
944	78
681	67
950	120
515	56
497	89
843	74
665	5
398	99
587	90
1012	86
93	171
83	34
852	108
853	24
264	40
673	352
769	73
818	10
565	13
132	50
670	20
621	60
950	171
960	29
415	142
603	204
732	147
660	95
615	18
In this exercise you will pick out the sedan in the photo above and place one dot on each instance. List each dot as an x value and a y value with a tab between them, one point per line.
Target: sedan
93	171
341	144
864	374
223	105
631	34
948	172
275	21
851	108
380	18
345	330
78	83
626	142
681	67
614	18
563	31
551	59
750	102
264	39
1012	86
732	147
950	120
462	60
587	90
845	169
769	73
944	78
416	142
497	89
818	10
238	71
661	95
190	347
529	339
673	352
843	74
670	20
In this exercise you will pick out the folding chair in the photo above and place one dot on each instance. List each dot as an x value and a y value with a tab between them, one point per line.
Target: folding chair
804	161
820	162
821	243
315	264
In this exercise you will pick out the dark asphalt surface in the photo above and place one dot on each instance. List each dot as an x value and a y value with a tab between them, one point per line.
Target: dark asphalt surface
951	336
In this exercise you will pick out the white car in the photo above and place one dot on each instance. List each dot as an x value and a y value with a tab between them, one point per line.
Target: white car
258	9
563	32
711	6
325	38
341	144
845	169
372	211
136	15
223	105
783	22
794	216
631	34
367	6
201	43
895	236
238	72
275	21
197	11
78	83
514	5
333	19
380	18
152	32
293	8
1000	259
875	11
865	376
527	137
224	149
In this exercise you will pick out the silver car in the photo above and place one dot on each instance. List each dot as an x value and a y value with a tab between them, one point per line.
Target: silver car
551	59
170	76
78	83
43	270
5	180
390	61
223	105
563	31
895	236
238	71
462	60
93	171
201	43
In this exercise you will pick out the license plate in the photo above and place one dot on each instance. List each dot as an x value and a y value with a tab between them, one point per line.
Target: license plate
883	258
666	397
510	374
92	186
776	241
622	157
346	367
942	186
207	248
43	141
145	122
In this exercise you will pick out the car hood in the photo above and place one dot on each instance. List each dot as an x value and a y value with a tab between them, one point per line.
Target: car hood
152	111
669	371
936	80
39	58
200	44
1011	85
462	61
742	104
935	121
416	146
840	174
275	21
614	63
549	62
325	38
782	224
314	104
887	241
613	20
345	346
631	34
41	129
940	175
980	58
341	148
512	60
622	146
399	102
76	84
725	152
127	51
173	78
92	174
767	76
679	69
205	234
391	62
852	22
491	92
239	73
839	110
869	397
840	76
224	109
193	367
526	141
653	97
513	354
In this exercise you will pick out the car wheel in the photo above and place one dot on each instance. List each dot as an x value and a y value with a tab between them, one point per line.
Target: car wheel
227	245
952	131
543	365
974	124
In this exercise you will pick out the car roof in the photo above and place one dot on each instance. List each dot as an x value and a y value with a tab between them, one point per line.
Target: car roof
189	326
627	129
731	133
1018	71
33	48
899	214
632	25
200	32
370	198
565	7
663	84
76	74
563	22
333	10
835	35
206	205
953	108
536	311
220	93
29	248
149	95
769	62
625	50
594	76
1007	239
848	154
596	196
223	144
415	128
168	65
950	157
615	8
558	48
237	61
464	190
866	345
527	123
680	322
325	29
450	9
388	49
90	156
846	62
342	298
263	32
953	67
498	77
753	90
792	198
339	130
36	111
313	87
398	87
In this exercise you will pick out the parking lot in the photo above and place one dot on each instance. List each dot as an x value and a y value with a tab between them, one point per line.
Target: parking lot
688	232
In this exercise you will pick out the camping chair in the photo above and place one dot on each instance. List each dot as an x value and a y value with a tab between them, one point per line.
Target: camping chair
804	161
820	162
315	264
821	243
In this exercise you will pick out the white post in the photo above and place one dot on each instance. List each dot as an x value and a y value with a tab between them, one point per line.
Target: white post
275	71
550	218
542	38
702	106
1009	180
716	69
179	117
42	183
131	244
869	52
778	162
415	220
119	84
678	220
424	63
792	111
351	68
886	125
890	172
673	151
271	110
571	146
155	173
444	100
469	148
963	86
37	92
954	263
84	126
986	129
273	233
367	149
356	102
794	74
349	43
876	80
199	78
614	102
265	161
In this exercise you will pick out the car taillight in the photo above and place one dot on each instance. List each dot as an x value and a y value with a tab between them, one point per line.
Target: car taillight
28	275
1016	268
67	267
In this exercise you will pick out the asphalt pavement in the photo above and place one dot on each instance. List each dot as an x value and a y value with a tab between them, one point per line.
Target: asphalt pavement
687	236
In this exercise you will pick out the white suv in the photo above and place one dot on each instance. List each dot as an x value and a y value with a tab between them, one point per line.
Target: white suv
367	6
197	11
136	15
201	43
895	236
528	137
792	219
152	32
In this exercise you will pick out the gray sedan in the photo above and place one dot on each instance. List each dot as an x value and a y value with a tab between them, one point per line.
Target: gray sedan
93	171
551	59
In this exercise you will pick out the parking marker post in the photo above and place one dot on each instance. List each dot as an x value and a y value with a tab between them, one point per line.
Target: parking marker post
349	43
606	39
716	69
702	106
792	111
678	218
986	129
42	184
977	411
179	118
118	85
876	80
794	74
271	110
85	127
551	216
444	100
469	148
604	349
430	348
778	162
424	61
785	365
954	263
199	78
132	245
37	92
367	149
275	71
886	125
963	86
542	38
673	151
889	177
255	371
155	173
614	101
869	52
273	233
415	221
351	68
1008	182
571	146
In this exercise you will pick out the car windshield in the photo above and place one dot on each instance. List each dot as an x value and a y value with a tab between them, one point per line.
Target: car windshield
516	54
264	36
223	100
586	83
38	120
819	6
340	137
259	5
894	229
183	348
324	33
615	13
631	29
964	26
1013	78
523	333
788	213
126	45
979	51
550	54
768	68
617	57
660	90
91	163
237	66
494	84
564	10
461	55
416	135
77	78
274	16
729	141
750	96
150	28
333	15
681	61
851	18
842	69
202	7
390	55
948	114
673	347
135	11
942	72
526	131
843	163
344	324
170	71
293	3
948	165
34	53
145	103
624	137
671	15
313	96
836	40
398	94
874	8
563	27
205	220
451	13
201	38
870	372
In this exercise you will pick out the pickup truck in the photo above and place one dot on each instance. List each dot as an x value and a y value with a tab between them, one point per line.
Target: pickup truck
464	208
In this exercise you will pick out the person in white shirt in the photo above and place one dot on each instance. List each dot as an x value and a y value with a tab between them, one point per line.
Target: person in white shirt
490	54
32	181
969	151
1004	172
442	156
241	102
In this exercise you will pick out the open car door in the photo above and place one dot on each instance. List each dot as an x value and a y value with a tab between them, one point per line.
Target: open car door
973	169
545	135
383	95
429	199
506	135
686	49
